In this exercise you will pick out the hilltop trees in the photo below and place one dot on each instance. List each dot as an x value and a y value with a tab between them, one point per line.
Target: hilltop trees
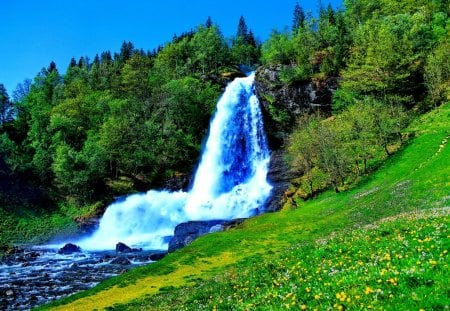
140	116
245	49
390	56
299	18
136	116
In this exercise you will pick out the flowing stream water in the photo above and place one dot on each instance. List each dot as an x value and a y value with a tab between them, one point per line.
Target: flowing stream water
230	182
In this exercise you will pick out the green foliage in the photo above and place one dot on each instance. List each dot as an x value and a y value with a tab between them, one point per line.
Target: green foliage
132	115
437	73
6	107
245	50
278	49
338	146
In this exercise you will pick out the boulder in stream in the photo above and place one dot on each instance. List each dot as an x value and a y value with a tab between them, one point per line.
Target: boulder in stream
123	248
69	248
120	261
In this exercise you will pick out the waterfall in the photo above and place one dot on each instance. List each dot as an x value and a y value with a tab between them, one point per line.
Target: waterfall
230	181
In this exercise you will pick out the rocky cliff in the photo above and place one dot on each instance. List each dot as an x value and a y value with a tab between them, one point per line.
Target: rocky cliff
281	105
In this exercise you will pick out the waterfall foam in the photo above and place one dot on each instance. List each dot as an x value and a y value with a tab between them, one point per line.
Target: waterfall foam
230	181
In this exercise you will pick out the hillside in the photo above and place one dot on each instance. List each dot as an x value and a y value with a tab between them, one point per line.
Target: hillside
382	244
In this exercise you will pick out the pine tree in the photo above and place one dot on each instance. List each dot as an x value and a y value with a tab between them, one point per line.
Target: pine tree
209	22
52	67
5	105
299	18
73	62
242	31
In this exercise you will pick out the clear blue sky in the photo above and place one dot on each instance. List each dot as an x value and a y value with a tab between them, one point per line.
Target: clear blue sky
33	33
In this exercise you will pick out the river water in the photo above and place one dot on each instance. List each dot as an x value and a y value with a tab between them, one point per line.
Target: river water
36	276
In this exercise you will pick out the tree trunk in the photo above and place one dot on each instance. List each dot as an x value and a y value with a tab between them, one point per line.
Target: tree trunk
358	171
365	166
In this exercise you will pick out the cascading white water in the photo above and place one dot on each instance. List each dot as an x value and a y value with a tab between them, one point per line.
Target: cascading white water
230	181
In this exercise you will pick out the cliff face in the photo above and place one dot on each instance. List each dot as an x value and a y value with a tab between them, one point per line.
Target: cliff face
281	105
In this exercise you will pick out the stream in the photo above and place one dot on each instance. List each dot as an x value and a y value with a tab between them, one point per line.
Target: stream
35	276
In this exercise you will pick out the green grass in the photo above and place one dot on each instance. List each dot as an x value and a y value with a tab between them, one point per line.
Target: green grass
343	239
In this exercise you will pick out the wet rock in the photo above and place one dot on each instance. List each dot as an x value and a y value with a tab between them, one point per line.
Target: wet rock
69	248
123	261
123	248
157	256
9	293
88	225
279	176
185	233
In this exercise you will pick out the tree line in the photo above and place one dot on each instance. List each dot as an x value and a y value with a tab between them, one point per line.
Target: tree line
122	121
392	61
128	120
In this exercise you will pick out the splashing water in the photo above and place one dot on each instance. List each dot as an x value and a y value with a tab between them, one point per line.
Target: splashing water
230	181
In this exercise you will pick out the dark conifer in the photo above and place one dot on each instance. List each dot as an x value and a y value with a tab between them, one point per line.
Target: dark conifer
5	105
299	18
51	67
73	62
242	31
209	22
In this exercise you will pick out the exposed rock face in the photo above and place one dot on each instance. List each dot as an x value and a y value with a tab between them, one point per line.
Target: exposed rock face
157	256
123	248
279	176
282	103
69	248
185	233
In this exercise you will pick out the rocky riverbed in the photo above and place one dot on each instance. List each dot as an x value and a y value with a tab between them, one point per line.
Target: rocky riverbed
38	275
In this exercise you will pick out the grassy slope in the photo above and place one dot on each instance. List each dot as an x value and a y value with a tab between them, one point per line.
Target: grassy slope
416	178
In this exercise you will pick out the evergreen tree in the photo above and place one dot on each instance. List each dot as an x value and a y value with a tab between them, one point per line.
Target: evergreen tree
5	106
73	62
126	51
242	31
330	15
209	22
299	18
245	50
51	67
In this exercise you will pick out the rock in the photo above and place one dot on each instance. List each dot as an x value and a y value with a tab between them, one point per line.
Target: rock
69	248
87	225
283	103
185	233
157	256
123	248
176	182
121	261
9	293
279	176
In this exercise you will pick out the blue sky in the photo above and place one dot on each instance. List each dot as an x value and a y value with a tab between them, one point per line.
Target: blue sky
33	33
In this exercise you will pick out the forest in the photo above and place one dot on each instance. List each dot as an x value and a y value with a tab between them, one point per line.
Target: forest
126	121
